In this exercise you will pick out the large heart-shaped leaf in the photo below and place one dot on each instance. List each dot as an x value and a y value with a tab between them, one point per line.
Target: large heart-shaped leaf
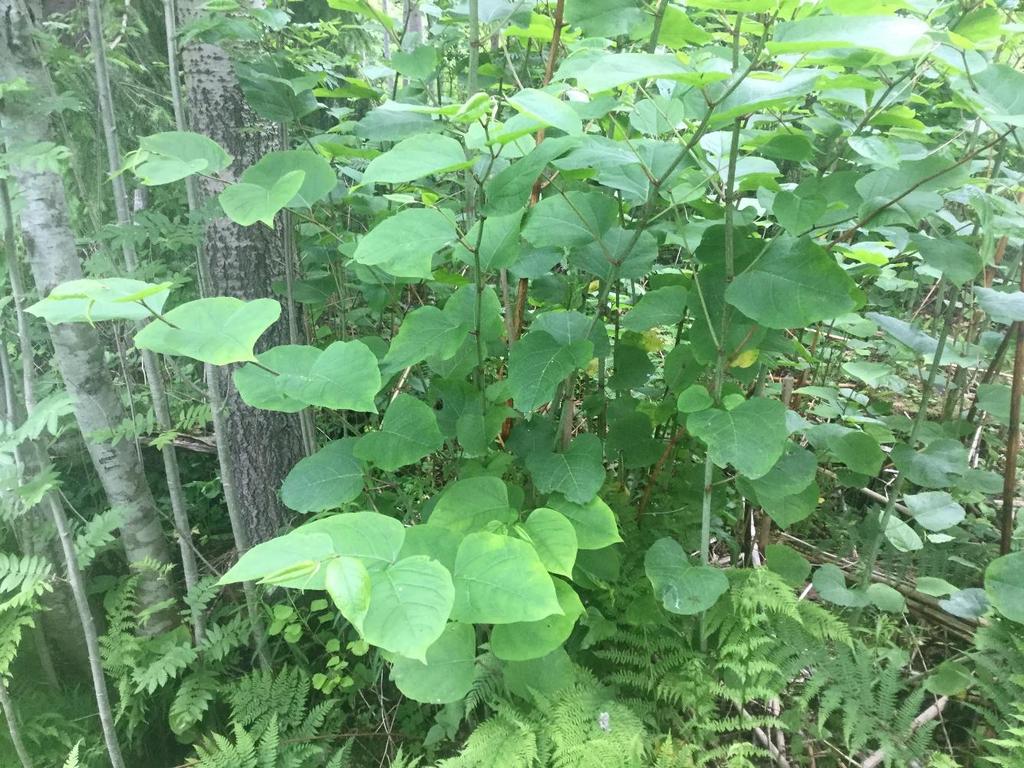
403	245
329	478
501	580
1004	584
682	587
408	433
219	330
91	301
410	602
416	157
246	203
471	504
448	673
751	437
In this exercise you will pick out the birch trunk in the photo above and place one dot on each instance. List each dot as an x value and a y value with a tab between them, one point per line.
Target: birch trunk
50	246
242	262
150	362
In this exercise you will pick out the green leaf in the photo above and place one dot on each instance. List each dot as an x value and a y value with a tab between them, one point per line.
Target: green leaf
262	389
538	363
426	332
950	678
1004	585
577	473
595	523
433	541
936	587
794	284
219	330
797	213
507	191
174	155
789	509
916	339
374	538
278	554
901	536
966	603
788	563
403	245
751	437
547	109
276	89
328	479
522	641
939	465
998	92
93	301
934	510
614	70
1002	306
246	203
344	377
694	398
419	63
408	433
886	598
501	580
348	583
662	306
410	602
471	504
830	583
955	259
572	219
554	537
895	36
317	183
603	18
416	157
681	587
859	451
449	671
499	243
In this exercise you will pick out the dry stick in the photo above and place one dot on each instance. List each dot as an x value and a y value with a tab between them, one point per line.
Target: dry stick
929	714
150	362
13	727
653	477
213	373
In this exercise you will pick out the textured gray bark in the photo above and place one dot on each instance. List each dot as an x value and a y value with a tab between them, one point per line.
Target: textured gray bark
242	262
50	246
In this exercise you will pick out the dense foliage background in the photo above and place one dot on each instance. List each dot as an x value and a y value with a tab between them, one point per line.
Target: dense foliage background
512	383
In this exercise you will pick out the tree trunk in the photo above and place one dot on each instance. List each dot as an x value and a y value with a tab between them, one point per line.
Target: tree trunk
50	245
242	262
150	362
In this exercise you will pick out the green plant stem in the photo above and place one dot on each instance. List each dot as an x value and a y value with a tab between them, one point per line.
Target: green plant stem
874	546
659	18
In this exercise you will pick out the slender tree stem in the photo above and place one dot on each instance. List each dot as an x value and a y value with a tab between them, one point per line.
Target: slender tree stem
895	492
13	727
1006	522
150	362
